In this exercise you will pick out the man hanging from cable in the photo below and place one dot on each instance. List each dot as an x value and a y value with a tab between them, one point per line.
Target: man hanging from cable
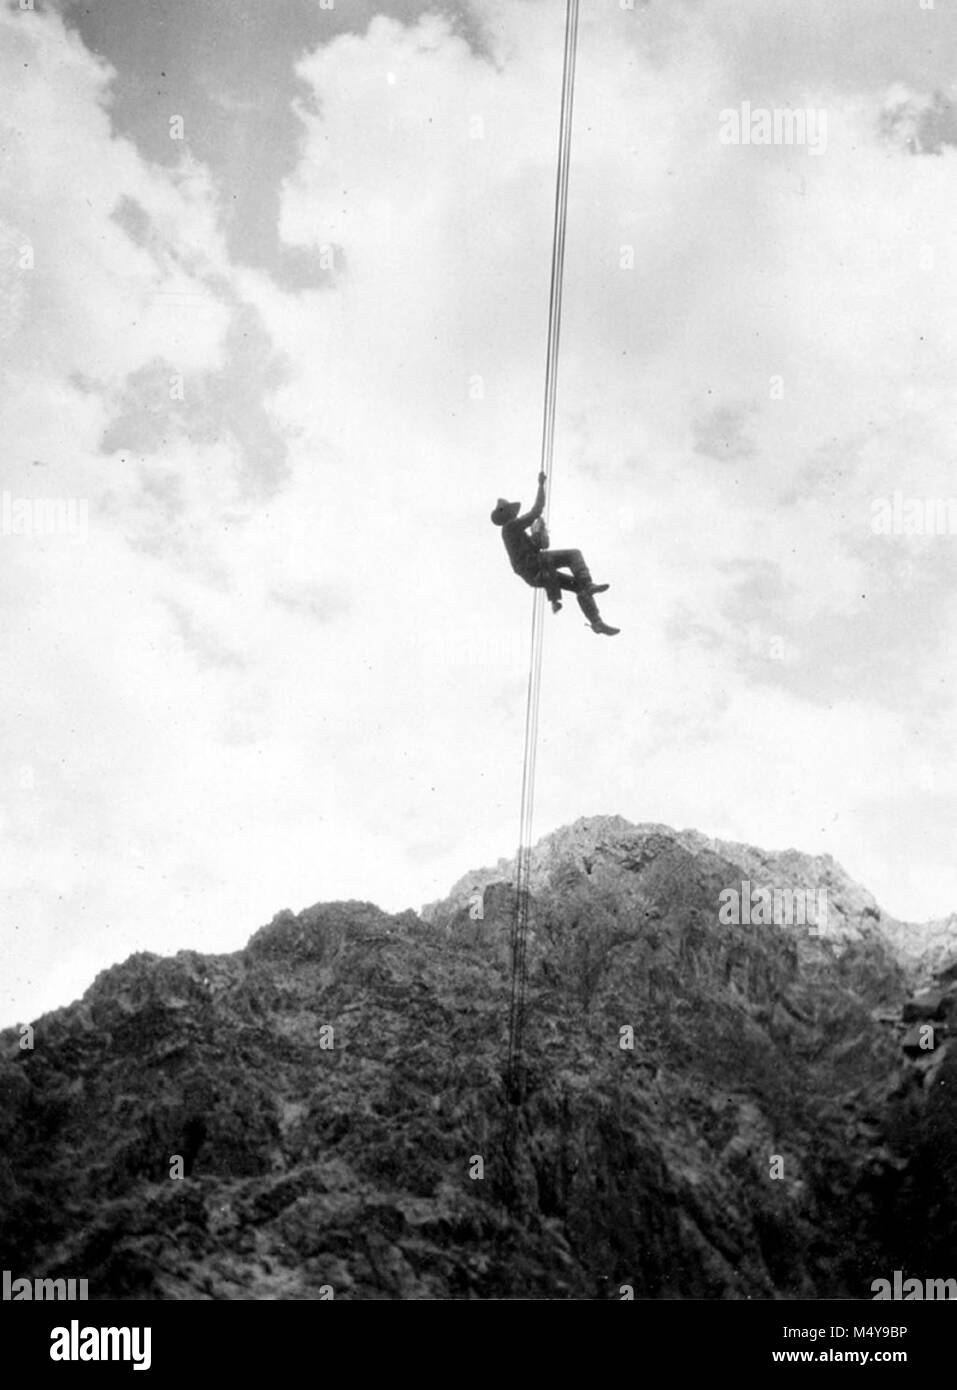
531	558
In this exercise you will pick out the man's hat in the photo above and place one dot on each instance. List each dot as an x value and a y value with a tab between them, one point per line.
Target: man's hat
505	511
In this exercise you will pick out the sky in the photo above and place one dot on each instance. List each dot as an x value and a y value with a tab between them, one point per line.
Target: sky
273	298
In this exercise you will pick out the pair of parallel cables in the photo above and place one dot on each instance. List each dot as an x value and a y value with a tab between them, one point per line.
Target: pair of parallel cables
519	937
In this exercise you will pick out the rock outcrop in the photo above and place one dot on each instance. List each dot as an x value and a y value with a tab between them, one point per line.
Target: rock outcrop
715	1107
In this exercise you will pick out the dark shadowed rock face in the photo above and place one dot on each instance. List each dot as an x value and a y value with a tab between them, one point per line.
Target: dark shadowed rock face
714	1108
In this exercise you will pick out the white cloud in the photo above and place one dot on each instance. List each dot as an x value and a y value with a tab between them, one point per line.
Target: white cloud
749	265
236	703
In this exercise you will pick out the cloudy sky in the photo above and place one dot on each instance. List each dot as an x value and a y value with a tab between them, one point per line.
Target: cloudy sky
273	288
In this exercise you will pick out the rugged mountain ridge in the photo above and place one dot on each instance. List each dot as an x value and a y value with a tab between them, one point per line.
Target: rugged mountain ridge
717	1110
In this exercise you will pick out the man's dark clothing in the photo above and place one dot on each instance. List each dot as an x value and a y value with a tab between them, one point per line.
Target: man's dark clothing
523	554
540	568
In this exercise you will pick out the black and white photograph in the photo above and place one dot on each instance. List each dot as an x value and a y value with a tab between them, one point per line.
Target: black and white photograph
478	614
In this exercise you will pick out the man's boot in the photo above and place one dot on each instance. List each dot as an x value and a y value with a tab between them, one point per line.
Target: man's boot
590	609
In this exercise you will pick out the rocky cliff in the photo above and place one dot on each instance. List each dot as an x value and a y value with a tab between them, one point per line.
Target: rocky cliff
717	1104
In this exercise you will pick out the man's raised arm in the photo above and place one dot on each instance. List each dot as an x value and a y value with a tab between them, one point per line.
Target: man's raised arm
539	506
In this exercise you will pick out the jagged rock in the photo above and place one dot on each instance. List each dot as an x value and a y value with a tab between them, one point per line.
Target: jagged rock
931	1004
928	950
711	1109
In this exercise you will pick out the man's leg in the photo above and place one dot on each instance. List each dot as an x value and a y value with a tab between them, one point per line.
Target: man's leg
578	584
589	607
570	560
581	583
554	582
557	582
574	561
